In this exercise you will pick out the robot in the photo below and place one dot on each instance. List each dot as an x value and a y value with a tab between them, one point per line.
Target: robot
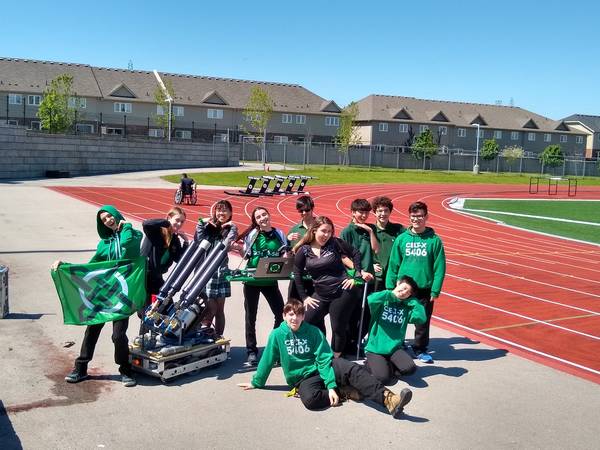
170	344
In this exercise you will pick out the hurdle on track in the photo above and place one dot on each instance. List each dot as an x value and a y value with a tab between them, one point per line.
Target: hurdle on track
265	180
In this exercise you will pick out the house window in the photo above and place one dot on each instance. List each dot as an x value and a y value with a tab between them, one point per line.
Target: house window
122	107
287	118
383	126
160	110
497	134
280	139
214	113
579	139
178	111
423	128
514	135
15	99
77	102
461	132
403	128
443	130
35	125
547	137
300	119
34	100
113	131
12	122
563	138
156	132
332	121
480	133
531	137
85	128
183	134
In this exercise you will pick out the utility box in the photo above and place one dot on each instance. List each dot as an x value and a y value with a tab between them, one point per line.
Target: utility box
3	292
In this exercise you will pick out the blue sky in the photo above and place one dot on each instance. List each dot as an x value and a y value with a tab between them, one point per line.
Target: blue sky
544	55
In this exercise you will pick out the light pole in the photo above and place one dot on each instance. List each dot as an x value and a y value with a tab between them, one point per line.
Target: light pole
168	98
476	166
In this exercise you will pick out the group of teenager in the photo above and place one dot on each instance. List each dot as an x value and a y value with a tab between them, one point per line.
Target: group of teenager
399	270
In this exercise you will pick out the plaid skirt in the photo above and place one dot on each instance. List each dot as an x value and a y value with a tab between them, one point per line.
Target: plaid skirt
218	286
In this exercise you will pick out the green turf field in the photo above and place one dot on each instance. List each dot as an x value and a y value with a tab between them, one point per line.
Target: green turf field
353	175
587	211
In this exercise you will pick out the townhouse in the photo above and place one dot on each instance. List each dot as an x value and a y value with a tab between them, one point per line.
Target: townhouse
396	121
122	102
590	125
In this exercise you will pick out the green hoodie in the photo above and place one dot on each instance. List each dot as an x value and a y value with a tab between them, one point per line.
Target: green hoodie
301	354
389	319
122	244
420	256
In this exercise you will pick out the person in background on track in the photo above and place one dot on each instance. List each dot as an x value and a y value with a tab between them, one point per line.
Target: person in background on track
419	253
219	228
186	184
391	312
385	233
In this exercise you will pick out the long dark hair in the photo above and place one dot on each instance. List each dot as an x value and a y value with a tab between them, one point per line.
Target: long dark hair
310	233
253	225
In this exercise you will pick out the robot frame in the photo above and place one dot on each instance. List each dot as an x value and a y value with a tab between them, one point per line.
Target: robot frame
170	343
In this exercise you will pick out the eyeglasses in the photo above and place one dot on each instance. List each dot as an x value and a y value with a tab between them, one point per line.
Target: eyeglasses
301	210
417	217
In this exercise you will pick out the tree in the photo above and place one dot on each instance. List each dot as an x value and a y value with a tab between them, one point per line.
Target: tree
347	133
490	149
512	154
257	114
424	146
55	113
552	156
160	97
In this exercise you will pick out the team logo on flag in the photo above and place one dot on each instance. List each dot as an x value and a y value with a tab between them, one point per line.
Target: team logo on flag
100	292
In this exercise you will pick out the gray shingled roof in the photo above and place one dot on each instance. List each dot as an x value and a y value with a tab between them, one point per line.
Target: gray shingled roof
385	107
29	76
592	122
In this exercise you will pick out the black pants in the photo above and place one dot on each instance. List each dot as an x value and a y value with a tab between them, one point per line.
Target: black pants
386	367
314	394
309	288
421	341
340	309
119	338
251	296
354	322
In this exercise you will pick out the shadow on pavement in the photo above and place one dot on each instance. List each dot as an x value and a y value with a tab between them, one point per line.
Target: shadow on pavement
8	437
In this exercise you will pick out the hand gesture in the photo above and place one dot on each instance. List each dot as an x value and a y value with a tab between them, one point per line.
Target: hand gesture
293	236
364	226
310	302
55	264
246	386
377	268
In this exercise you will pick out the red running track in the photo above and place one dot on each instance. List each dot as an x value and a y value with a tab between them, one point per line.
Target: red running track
536	295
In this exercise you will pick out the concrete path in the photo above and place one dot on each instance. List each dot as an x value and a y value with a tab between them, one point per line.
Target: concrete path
474	396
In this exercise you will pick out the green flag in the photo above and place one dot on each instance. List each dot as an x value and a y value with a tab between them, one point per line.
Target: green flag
100	292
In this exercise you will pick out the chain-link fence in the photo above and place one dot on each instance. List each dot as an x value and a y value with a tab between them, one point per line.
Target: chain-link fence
398	157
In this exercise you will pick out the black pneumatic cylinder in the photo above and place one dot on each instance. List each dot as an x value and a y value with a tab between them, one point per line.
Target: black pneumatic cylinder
187	268
207	269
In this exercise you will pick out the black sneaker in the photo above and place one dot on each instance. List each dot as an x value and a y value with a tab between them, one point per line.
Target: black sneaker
128	381
252	359
76	377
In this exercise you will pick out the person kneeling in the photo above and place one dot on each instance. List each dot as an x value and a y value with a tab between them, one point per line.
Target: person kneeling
391	312
309	367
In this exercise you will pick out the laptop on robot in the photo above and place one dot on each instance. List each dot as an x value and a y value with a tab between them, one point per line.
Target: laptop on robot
274	267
